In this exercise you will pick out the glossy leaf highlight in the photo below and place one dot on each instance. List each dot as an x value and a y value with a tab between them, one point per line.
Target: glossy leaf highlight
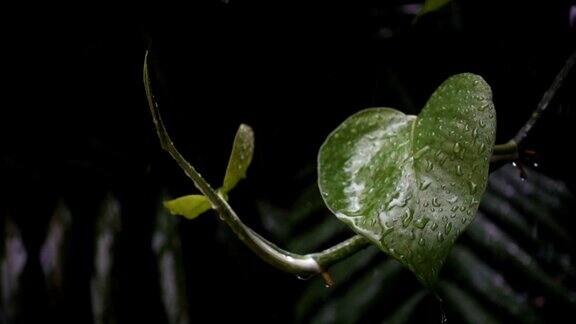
411	184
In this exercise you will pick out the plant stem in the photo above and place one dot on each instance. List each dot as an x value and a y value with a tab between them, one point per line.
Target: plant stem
340	251
302	265
545	101
505	152
509	151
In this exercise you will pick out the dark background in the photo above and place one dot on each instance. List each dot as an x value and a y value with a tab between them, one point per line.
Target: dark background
75	124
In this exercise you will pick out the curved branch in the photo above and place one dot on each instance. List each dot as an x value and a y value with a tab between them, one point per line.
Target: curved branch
302	265
509	151
545	101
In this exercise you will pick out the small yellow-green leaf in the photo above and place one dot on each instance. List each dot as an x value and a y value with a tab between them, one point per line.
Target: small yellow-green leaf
190	206
431	5
240	158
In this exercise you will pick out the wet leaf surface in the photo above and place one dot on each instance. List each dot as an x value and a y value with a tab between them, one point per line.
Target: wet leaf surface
412	184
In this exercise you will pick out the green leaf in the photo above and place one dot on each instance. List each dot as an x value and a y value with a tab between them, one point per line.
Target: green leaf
412	184
431	5
240	158
190	206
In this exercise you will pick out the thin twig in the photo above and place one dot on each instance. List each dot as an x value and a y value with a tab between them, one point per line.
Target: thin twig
314	263
545	101
509	151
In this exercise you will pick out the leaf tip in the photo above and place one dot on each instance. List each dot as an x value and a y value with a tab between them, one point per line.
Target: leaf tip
190	206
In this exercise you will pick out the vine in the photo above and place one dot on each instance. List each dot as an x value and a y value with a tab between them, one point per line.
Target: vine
424	256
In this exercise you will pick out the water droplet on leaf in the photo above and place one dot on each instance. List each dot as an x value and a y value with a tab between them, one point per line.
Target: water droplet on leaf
459	171
448	228
457	148
421	222
425	184
407	218
440	236
473	186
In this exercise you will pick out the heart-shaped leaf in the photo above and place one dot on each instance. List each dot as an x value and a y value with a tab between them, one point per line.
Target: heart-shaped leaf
411	184
192	206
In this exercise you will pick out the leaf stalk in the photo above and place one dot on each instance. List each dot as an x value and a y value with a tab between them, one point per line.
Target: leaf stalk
301	265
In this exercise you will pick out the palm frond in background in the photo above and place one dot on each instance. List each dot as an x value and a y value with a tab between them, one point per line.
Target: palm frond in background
514	263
